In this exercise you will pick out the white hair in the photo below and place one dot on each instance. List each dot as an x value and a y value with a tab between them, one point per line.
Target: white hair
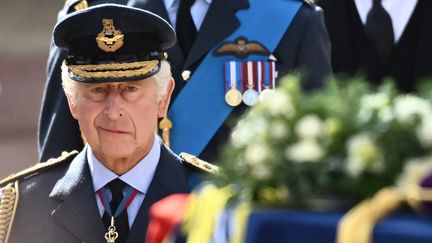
162	79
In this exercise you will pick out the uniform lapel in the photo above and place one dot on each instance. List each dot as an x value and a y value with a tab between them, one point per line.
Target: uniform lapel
78	211
219	22
169	178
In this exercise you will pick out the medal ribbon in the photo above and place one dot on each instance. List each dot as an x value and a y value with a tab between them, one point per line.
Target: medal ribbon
269	75
127	199
259	68
232	75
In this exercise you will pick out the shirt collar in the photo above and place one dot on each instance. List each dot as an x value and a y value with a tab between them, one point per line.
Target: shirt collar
169	4
139	177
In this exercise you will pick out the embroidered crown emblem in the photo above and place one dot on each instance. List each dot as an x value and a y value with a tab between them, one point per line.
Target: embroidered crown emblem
109	39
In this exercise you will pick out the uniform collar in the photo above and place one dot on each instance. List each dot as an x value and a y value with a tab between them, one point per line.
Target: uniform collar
139	177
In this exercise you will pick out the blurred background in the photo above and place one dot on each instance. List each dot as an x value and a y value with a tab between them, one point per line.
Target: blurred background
25	33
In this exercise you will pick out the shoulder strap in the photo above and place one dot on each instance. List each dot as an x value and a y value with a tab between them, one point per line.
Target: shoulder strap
37	168
8	205
199	163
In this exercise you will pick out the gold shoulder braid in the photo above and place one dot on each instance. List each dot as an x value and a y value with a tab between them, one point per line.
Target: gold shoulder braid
8	205
9	194
36	168
200	164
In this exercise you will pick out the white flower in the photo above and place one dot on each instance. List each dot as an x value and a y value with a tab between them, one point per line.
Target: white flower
307	150
257	153
363	155
257	158
371	103
279	103
261	172
385	115
279	130
248	130
414	172
424	131
407	107
309	127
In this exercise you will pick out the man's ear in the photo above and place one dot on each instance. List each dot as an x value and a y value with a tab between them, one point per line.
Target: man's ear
72	106
165	101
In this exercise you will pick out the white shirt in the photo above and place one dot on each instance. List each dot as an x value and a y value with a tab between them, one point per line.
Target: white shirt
139	177
198	11
400	12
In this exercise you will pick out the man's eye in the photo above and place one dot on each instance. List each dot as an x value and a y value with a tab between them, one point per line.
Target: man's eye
131	88
99	90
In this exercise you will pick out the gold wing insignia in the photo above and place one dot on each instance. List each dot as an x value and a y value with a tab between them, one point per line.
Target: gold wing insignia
241	48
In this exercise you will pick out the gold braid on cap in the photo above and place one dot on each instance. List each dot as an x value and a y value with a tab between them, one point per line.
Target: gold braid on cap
8	206
114	70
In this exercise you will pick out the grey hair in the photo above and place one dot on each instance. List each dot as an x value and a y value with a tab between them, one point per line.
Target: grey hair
162	79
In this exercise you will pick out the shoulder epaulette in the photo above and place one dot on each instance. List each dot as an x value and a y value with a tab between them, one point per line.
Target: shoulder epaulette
37	168
199	163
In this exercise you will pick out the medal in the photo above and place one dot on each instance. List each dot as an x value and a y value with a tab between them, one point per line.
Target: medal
111	235
250	96
265	93
268	82
233	96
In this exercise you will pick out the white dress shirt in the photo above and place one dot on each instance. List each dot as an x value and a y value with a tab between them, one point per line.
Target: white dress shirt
139	177
400	12
198	11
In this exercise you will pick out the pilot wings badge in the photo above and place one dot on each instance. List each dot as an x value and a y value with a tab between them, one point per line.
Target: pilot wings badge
109	39
241	48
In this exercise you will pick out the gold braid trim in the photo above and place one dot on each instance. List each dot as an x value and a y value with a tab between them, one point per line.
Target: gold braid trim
357	225
199	163
36	168
114	70
8	205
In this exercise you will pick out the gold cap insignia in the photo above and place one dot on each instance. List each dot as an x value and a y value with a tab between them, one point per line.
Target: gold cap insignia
241	48
109	39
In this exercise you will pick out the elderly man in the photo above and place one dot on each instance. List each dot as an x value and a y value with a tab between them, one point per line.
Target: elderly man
117	84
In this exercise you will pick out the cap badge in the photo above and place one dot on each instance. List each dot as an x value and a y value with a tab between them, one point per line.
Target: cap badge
109	39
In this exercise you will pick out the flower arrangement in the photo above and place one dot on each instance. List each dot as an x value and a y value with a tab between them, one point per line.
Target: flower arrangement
341	143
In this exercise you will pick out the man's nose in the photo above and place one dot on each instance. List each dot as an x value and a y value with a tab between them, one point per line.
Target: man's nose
114	106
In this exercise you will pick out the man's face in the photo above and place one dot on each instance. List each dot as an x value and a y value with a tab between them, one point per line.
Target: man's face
118	119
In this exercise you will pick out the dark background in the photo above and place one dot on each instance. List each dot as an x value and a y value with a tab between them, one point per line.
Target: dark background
25	32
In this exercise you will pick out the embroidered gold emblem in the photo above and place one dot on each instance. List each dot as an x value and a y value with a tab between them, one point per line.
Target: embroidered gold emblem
109	39
241	48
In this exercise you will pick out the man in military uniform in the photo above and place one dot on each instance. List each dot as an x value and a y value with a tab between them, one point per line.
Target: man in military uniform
117	83
301	42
